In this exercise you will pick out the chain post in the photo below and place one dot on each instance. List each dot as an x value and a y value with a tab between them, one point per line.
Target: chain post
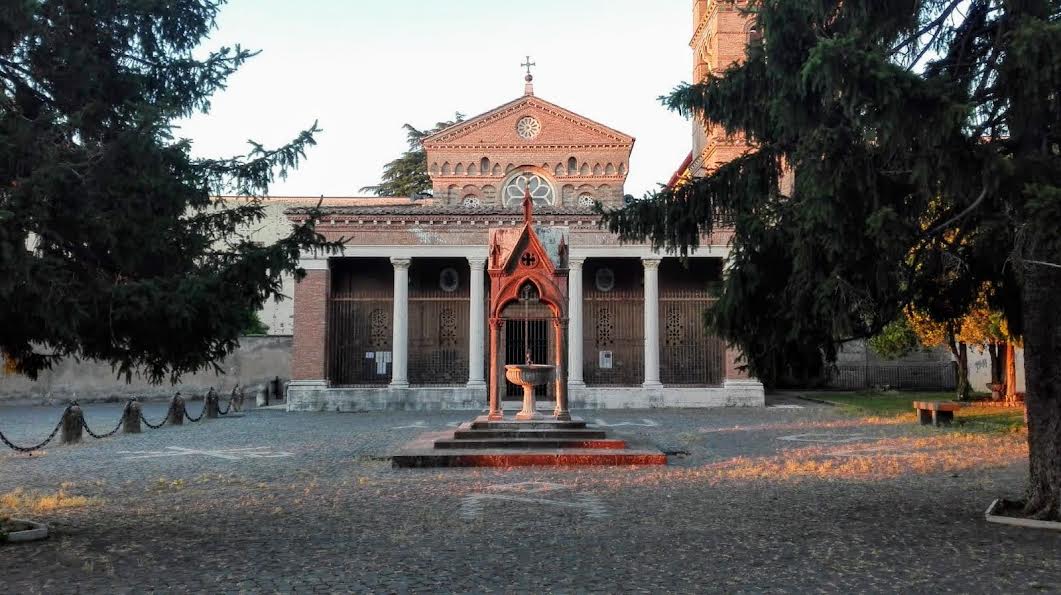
213	409
131	418
176	411
73	424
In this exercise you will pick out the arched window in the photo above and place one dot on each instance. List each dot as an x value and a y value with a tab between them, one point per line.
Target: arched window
572	166
540	190
484	165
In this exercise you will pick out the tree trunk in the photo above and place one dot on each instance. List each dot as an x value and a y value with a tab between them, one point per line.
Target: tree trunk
960	351
1011	372
996	351
1042	374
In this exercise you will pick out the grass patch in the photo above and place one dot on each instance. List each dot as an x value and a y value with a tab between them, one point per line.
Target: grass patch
900	404
19	501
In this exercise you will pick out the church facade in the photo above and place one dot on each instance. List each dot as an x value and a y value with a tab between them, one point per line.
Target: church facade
398	319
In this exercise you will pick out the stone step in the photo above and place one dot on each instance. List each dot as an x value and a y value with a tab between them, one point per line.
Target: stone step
510	458
529	443
582	434
482	423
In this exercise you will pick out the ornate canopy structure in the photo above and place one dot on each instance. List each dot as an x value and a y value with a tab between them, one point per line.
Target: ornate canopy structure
521	266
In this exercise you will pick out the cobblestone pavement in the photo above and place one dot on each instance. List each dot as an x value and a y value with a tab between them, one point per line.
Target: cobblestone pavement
271	501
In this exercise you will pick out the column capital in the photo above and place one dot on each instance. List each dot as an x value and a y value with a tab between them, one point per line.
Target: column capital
651	262
401	262
575	262
476	263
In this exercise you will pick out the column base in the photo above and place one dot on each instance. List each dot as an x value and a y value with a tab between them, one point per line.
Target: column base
398	385
652	385
476	384
575	383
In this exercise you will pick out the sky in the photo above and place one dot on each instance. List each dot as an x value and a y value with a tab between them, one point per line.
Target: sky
363	68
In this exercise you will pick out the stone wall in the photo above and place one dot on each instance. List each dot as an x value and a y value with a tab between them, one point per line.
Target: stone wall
258	360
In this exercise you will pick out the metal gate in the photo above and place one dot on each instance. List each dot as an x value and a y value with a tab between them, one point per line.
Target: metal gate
689	355
438	338
613	343
359	340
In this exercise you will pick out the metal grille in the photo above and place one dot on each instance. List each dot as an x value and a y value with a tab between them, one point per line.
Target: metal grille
900	377
359	340
438	338
613	343
688	354
539	334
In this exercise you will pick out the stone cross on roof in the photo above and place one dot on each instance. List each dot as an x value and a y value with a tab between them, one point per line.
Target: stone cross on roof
529	89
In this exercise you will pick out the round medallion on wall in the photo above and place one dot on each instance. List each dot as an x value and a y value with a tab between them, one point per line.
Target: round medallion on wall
528	127
449	280
604	279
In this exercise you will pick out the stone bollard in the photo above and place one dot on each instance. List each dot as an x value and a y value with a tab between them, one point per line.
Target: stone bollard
73	424
213	410
131	418
176	411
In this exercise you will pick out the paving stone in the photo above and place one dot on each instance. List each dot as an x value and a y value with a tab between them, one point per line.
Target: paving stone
331	516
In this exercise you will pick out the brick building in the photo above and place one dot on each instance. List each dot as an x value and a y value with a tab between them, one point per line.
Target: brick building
397	320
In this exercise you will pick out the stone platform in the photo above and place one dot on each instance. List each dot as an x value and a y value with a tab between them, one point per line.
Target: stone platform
511	443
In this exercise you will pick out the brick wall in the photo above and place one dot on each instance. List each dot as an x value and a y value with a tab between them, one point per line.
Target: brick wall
311	326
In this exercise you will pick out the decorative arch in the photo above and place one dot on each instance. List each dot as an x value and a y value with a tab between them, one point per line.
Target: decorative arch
446	169
572	166
609	170
434	169
509	168
559	171
622	169
497	169
598	170
459	170
472	170
484	165
585	169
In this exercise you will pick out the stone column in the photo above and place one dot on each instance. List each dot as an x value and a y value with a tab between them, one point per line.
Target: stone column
651	322
496	380
574	327
476	323
400	324
561	412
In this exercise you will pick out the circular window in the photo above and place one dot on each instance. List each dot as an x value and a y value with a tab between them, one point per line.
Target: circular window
528	128
471	201
585	199
540	190
449	280
604	279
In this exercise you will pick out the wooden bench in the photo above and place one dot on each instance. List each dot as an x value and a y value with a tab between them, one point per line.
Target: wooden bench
936	412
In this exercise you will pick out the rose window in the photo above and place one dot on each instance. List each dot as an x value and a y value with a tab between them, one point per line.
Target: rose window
528	127
540	190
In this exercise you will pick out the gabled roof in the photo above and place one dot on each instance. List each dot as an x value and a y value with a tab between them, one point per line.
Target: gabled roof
468	126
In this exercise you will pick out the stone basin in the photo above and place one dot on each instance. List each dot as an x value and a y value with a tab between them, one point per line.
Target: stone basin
528	376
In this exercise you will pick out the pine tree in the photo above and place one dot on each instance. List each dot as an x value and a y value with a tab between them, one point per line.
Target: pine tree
407	175
925	140
111	246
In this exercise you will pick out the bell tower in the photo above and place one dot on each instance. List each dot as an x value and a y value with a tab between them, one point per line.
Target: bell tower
721	31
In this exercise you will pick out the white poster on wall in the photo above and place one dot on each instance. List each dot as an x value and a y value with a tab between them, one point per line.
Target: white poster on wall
605	360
